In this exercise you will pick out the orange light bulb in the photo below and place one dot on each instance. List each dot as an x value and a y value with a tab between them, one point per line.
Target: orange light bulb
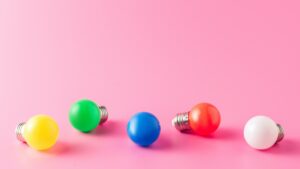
203	119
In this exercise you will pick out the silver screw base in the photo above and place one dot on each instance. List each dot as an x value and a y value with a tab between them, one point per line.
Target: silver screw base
18	132
181	122
104	114
280	134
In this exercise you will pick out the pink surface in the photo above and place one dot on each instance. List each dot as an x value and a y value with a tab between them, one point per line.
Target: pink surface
158	56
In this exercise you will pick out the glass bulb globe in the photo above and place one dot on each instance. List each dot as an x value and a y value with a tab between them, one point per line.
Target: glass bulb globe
261	132
40	132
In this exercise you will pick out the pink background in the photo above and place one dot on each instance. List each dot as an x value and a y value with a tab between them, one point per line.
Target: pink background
158	56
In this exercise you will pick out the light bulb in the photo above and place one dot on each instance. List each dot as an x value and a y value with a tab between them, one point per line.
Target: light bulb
143	129
86	115
203	119
261	132
39	132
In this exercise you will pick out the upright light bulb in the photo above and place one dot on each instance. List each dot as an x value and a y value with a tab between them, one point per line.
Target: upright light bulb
261	132
39	132
203	119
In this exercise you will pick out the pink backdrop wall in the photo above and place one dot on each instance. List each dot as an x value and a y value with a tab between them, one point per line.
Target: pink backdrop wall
158	56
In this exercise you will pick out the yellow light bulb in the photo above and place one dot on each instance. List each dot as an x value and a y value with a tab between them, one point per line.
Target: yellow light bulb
39	132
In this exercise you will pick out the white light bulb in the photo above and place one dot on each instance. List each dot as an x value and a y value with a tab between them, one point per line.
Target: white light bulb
261	132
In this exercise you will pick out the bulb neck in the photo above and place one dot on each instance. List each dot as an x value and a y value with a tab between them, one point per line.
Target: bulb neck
181	122
103	114
280	134
18	132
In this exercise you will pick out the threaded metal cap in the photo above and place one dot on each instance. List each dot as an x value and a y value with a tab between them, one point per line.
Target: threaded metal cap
280	134
18	132
104	114
181	121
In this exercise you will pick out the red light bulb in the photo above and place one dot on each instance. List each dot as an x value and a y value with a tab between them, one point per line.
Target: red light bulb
203	119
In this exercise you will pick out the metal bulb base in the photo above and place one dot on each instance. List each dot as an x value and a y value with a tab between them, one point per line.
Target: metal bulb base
104	114
280	134
18	132
181	122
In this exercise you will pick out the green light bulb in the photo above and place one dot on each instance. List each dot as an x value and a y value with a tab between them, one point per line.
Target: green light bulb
86	115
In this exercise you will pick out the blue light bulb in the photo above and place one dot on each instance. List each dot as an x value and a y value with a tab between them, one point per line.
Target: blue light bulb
143	128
